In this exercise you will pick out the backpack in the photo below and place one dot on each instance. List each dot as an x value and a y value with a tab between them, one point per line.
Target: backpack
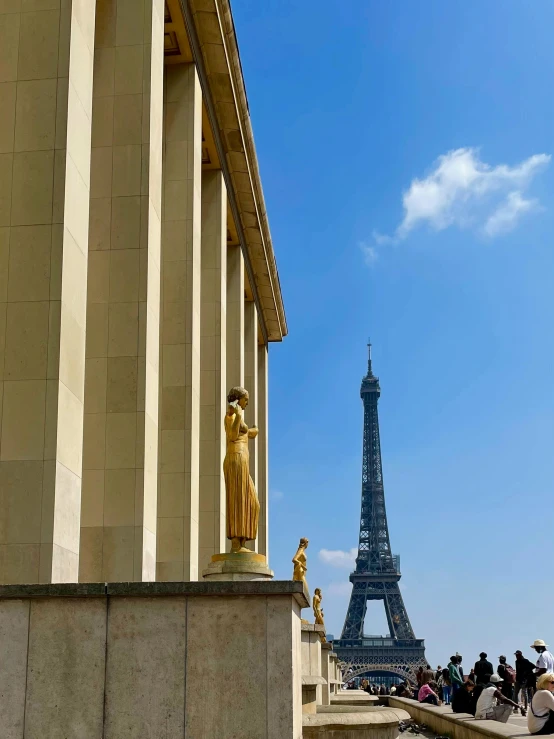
509	674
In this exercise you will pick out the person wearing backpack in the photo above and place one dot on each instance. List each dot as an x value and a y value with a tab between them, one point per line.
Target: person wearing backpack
508	676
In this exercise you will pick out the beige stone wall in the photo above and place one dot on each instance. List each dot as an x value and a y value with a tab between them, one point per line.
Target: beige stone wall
162	667
123	316
46	52
213	378
251	384
178	516
235	317
119	512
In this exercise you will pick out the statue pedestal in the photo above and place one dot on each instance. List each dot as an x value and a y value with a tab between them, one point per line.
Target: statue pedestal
245	565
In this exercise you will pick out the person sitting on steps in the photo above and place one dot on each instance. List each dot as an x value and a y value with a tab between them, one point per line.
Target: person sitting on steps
492	704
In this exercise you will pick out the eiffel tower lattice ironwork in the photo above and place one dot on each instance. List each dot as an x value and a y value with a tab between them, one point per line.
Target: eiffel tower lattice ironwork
377	571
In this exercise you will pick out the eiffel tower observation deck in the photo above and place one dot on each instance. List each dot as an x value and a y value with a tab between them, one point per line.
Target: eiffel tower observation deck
377	572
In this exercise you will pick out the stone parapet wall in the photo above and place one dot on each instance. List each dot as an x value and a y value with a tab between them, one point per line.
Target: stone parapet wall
157	660
456	725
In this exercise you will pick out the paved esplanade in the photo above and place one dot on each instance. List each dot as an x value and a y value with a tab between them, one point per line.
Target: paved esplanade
377	571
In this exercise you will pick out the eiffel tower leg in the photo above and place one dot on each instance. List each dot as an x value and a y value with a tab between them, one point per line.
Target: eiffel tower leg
355	616
397	616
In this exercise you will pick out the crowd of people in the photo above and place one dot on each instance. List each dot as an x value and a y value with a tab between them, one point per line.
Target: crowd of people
487	693
374	689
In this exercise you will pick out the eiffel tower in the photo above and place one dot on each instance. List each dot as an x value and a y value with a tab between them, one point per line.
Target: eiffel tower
377	572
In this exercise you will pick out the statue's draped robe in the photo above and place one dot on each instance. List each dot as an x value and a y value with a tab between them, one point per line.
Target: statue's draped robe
243	506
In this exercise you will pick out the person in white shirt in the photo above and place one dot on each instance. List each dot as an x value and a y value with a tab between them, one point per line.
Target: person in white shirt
491	696
540	719
545	662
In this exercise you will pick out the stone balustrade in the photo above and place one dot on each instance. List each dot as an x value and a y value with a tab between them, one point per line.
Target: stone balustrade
457	725
353	722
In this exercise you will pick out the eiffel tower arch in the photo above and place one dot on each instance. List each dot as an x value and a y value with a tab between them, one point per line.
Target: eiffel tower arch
377	573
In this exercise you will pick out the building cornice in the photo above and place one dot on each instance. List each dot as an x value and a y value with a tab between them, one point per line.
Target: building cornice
214	48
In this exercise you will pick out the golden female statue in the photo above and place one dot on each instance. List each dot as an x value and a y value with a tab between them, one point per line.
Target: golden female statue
243	506
318	613
299	562
316	603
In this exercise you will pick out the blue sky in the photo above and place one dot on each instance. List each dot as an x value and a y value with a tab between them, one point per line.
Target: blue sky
404	151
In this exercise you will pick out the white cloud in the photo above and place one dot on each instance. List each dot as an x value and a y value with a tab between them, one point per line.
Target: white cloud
505	217
276	495
369	252
338	558
463	191
339	588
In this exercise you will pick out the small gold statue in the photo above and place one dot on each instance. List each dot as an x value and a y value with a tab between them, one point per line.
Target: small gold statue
299	562
243	506
316	603
318	613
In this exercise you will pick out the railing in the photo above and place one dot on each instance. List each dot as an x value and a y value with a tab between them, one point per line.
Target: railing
381	642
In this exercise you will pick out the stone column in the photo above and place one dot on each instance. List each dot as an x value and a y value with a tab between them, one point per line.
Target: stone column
251	383
263	450
178	515
213	391
235	317
46	58
118	534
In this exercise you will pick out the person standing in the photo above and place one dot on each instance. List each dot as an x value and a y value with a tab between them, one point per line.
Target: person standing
508	676
545	662
455	679
541	716
446	686
482	668
460	668
525	678
492	704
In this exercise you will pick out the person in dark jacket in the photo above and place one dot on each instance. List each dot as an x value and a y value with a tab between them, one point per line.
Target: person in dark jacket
463	701
525	679
506	672
404	690
483	668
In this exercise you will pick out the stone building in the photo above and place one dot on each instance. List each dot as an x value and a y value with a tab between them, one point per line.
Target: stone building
137	284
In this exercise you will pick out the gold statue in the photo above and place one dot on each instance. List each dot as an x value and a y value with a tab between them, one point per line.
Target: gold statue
316	603
243	506
318	613
299	561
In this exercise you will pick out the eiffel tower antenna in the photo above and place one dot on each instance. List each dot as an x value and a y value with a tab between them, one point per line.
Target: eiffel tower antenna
377	571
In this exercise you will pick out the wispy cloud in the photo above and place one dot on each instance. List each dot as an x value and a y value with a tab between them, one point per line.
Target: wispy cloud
463	191
338	558
369	252
340	589
505	217
276	495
